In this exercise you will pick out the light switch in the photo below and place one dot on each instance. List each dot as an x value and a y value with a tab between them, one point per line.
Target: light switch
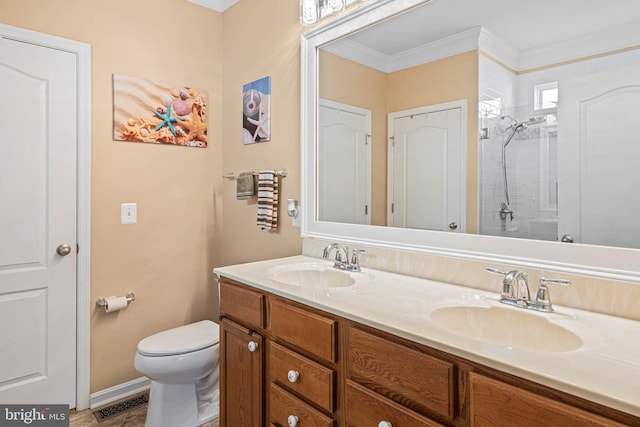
128	213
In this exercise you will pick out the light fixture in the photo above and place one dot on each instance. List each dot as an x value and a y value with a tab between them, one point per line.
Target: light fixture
311	11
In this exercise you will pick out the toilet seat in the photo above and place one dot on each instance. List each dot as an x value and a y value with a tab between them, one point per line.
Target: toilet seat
181	340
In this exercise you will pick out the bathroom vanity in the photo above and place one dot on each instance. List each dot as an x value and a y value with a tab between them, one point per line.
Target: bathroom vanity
304	344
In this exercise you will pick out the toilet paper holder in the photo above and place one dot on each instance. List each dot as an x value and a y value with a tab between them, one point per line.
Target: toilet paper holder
102	302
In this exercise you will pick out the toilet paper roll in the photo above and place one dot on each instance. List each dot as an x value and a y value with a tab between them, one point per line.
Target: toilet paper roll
115	304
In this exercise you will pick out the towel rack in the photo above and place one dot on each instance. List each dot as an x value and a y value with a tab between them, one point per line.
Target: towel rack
279	172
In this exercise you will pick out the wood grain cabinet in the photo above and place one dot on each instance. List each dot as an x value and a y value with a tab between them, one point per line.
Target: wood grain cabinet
494	403
302	376
366	408
241	376
286	364
406	375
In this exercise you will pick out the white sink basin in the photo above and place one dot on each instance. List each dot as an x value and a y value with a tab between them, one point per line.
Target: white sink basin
311	274
505	326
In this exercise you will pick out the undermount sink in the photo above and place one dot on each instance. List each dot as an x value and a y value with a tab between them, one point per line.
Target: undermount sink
311	274
504	326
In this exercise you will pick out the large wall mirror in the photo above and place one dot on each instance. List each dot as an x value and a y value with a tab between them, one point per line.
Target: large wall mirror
478	128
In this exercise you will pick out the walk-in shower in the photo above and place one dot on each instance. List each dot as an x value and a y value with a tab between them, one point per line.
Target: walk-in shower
518	174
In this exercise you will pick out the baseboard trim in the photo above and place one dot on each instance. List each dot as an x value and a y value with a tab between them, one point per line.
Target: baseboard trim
121	391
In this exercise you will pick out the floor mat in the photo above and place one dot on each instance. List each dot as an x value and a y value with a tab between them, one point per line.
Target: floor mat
121	407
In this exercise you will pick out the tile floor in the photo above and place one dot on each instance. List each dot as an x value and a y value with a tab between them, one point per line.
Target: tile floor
133	418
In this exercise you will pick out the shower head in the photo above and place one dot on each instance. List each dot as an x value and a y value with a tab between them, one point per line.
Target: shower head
532	120
536	120
518	126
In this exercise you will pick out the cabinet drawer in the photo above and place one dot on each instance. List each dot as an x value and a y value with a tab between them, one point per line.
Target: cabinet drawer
365	408
282	405
314	381
242	304
495	403
309	331
417	380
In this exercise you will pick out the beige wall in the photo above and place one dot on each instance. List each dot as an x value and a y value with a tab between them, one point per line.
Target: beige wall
261	38
351	83
167	257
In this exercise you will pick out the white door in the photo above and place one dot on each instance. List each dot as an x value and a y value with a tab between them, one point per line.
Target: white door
38	196
598	152
344	163
426	169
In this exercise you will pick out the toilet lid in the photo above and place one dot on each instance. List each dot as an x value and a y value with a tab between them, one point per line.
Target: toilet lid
180	340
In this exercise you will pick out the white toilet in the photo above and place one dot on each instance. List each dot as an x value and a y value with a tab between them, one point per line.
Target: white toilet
182	364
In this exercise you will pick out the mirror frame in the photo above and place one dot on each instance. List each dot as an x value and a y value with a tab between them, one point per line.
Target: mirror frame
601	261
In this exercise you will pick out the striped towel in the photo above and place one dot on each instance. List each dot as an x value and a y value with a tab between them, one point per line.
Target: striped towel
267	200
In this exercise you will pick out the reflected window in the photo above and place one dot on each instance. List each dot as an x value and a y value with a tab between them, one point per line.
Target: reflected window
545	96
490	106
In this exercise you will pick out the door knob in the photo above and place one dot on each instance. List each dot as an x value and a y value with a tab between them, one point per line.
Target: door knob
567	238
63	249
453	225
292	421
253	346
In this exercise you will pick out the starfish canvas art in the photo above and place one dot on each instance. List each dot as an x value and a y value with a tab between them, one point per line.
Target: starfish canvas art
160	113
256	111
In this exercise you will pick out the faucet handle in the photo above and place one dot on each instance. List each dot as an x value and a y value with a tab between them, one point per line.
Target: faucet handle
355	259
496	271
561	282
543	298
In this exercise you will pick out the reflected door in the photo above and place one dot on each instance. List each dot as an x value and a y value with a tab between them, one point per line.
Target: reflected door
597	139
426	169
344	163
37	220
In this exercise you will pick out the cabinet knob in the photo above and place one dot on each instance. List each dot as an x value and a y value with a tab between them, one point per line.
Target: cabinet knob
253	346
293	376
292	421
384	424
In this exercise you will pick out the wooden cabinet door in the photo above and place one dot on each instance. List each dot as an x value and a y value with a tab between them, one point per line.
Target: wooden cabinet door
494	403
241	376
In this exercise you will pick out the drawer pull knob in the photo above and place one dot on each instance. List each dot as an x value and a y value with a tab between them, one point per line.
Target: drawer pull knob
253	346
292	421
293	376
384	424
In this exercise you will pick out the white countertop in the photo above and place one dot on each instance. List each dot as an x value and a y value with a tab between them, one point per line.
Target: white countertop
605	369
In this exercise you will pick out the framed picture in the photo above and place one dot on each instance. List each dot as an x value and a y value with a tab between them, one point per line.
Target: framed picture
256	111
160	113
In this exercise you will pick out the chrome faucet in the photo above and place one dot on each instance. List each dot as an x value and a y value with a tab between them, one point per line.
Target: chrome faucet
515	287
515	290
340	262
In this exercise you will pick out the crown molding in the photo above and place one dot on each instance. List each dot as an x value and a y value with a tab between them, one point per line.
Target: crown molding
480	38
449	46
594	44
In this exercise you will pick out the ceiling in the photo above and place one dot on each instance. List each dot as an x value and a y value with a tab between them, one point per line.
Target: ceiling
217	5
